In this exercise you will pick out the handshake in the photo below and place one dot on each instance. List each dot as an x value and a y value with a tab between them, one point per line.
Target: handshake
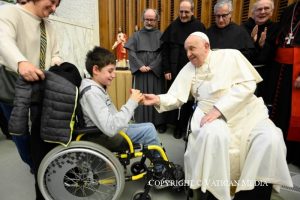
144	99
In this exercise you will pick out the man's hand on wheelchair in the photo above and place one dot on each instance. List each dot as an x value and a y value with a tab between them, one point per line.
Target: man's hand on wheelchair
210	116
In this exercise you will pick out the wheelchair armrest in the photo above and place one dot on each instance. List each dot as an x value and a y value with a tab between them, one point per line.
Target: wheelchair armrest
87	130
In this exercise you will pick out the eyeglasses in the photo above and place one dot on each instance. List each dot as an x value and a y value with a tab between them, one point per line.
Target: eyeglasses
223	15
184	11
266	9
150	20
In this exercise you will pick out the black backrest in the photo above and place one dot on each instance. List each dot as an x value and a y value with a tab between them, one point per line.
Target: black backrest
71	73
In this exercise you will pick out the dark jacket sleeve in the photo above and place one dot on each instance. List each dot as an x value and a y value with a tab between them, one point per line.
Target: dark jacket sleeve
156	65
24	94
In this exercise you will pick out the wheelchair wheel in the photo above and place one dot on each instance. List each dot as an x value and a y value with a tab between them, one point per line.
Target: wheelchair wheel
139	196
82	171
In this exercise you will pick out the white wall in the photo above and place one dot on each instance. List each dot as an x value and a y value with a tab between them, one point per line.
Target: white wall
77	23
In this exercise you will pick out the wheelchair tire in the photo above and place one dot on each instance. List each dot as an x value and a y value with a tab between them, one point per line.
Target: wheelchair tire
81	171
139	196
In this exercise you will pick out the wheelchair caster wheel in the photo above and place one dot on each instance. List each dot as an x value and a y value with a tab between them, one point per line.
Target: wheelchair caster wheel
139	196
138	168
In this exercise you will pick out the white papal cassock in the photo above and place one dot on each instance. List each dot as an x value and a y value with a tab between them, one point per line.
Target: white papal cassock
240	148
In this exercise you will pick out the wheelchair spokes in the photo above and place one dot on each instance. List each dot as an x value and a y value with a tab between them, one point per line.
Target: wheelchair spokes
86	170
81	173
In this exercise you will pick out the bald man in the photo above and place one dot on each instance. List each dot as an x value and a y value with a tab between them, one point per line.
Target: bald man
144	48
233	146
263	32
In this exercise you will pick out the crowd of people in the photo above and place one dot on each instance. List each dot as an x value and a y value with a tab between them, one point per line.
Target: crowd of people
238	83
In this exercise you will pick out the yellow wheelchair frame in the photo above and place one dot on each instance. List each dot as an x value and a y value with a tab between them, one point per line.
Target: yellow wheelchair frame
86	170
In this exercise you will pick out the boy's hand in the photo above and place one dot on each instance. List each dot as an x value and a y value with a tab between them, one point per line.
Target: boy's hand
136	95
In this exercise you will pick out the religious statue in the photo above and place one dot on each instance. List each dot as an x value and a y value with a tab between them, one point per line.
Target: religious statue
120	50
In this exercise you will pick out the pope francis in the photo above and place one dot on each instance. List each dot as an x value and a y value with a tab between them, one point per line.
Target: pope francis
234	150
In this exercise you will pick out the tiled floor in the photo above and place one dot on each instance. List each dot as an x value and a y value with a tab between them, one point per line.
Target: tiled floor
17	183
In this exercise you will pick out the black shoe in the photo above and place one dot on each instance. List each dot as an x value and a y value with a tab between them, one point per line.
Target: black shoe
178	134
161	128
198	194
259	192
160	181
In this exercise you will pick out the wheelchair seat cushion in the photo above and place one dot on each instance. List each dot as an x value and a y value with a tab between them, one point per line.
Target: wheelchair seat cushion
115	144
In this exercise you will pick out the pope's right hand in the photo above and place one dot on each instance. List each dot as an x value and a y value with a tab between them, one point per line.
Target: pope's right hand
151	99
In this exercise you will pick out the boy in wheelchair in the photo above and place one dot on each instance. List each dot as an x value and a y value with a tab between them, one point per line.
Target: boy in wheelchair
99	111
92	167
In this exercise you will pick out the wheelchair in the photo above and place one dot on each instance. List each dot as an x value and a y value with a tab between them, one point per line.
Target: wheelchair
87	170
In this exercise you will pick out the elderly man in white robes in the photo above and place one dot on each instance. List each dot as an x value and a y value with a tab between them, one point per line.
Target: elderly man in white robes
234	149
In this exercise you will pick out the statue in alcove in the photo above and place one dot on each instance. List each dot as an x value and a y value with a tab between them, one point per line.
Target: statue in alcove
120	50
